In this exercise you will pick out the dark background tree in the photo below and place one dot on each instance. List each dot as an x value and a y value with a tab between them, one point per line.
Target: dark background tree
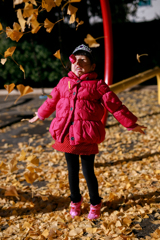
35	51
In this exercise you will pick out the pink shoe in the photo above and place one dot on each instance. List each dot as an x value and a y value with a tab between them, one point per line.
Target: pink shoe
76	208
95	211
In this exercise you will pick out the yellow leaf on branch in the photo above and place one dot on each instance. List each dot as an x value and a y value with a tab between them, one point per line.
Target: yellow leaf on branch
79	23
16	2
30	177
57	54
33	2
91	41
13	34
16	26
70	1
9	88
23	90
21	20
1	28
48	4
48	25
58	2
72	11
9	52
29	10
22	69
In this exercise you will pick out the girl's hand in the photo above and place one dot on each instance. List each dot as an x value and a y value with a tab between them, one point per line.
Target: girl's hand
34	119
139	129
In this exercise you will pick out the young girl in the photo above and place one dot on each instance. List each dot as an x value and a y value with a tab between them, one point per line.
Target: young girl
79	100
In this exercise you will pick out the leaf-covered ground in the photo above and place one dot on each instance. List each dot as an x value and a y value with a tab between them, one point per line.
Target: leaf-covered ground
34	189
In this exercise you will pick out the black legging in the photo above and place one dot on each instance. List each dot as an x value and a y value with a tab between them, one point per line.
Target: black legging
88	172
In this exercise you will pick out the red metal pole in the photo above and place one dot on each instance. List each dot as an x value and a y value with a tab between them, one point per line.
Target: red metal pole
108	47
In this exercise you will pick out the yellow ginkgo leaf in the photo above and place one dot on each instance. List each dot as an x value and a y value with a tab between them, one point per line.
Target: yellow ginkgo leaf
13	34
48	4
9	52
1	28
29	10
16	2
71	9
58	2
21	20
79	23
70	1
9	88
91	41
31	168
16	26
23	90
22	69
22	156
30	177
57	54
34	160
3	166
11	191
33	2
3	60
48	25
49	96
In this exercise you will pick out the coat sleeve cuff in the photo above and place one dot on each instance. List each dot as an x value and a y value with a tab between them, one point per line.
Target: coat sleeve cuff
41	118
132	127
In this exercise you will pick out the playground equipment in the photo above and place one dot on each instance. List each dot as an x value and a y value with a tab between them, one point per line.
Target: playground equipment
108	47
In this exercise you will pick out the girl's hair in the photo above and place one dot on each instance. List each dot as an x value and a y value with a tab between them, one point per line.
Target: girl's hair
87	54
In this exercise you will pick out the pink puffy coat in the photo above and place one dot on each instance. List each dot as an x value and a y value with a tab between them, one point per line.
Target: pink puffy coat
79	105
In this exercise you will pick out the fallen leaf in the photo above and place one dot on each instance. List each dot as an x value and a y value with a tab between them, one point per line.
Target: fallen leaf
76	231
45	233
11	191
30	177
34	160
22	156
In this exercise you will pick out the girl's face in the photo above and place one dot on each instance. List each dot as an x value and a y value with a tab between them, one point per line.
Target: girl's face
82	65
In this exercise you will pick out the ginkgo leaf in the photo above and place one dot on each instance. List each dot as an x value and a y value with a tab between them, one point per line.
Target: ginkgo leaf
57	54
48	25
70	1
31	168
9	52
22	156
3	166
30	177
1	28
23	90
21	20
16	2
22	69
79	23
33	2
49	96
48	4
9	88
91	41
3	60
11	191
13	34
29	10
13	165
71	9
16	26
58	2
34	160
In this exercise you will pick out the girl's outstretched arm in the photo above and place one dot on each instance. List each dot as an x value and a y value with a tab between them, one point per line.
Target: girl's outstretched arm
34	119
